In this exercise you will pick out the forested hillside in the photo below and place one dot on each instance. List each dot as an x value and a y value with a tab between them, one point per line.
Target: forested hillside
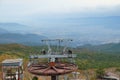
86	58
103	48
90	58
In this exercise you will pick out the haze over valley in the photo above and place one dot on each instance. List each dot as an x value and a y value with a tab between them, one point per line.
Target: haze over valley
87	22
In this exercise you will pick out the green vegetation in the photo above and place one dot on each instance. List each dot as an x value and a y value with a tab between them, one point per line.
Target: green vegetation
35	78
86	59
90	59
100	73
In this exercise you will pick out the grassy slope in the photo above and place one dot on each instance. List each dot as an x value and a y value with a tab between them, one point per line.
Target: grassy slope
106	48
13	51
86	58
97	60
94	59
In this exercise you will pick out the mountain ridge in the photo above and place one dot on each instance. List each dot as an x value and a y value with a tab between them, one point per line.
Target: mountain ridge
103	48
2	31
27	39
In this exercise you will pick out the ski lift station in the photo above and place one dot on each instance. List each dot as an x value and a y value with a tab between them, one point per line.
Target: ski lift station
12	69
51	62
59	62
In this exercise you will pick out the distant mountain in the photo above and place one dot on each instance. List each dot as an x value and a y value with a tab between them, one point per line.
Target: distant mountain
15	27
83	30
110	48
2	31
26	39
88	30
18	33
106	48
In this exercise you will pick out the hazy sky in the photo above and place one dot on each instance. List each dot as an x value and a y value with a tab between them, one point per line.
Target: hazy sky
26	11
94	19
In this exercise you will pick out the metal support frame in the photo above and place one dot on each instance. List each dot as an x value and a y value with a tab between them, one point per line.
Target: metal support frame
54	55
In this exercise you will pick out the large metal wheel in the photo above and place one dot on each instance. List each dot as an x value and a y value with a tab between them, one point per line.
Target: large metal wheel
45	69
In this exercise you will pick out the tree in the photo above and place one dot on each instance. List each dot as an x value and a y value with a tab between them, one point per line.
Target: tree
35	78
100	73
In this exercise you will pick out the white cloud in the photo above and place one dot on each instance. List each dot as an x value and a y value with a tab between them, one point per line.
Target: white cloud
56	6
20	9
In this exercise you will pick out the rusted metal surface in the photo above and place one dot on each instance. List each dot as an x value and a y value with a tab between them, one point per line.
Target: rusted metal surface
45	69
